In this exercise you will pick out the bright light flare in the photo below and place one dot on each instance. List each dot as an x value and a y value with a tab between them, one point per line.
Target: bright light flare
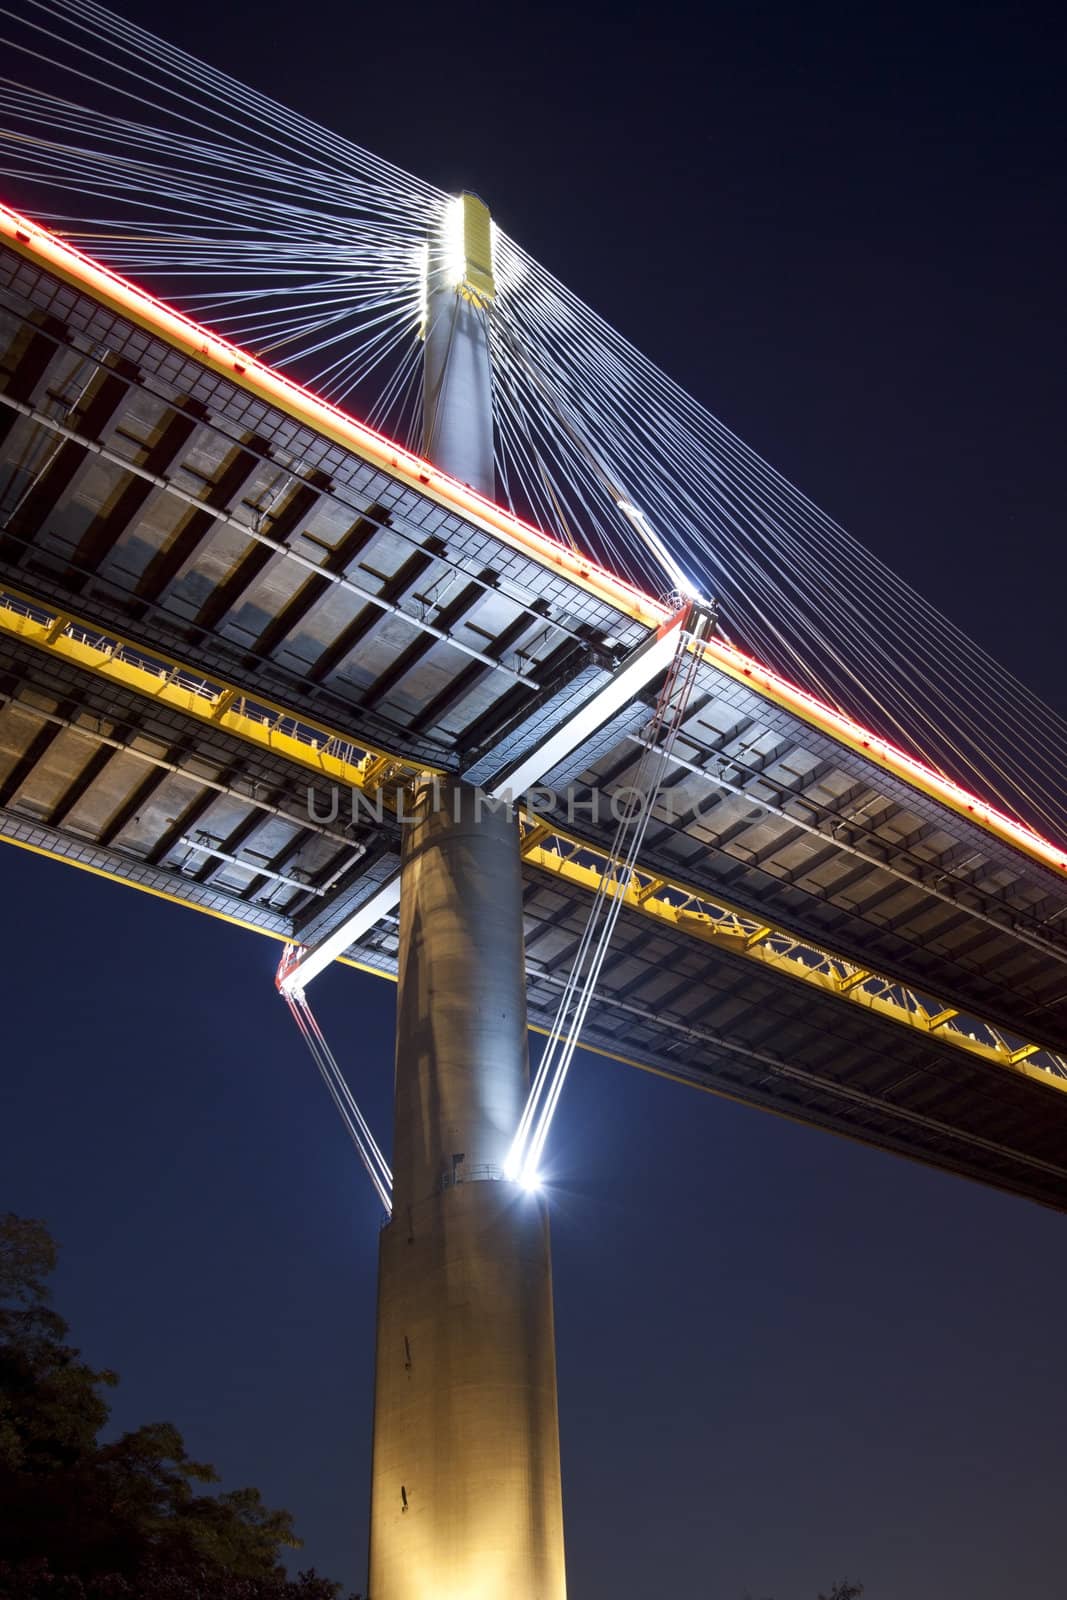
520	1169
424	289
453	243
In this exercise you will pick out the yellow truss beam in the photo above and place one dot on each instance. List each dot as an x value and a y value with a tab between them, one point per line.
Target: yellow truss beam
206	698
679	906
666	901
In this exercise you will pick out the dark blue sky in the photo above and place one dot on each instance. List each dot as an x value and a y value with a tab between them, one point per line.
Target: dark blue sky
782	1357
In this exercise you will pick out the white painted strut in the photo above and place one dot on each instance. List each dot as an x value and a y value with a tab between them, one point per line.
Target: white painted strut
640	669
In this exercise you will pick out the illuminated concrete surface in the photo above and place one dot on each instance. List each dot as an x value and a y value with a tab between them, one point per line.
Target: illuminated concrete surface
466	1498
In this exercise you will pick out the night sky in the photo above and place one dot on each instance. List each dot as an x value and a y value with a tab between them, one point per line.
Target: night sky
783	1358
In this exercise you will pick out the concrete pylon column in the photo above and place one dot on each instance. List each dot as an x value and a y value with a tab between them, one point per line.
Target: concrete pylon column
466	1501
457	376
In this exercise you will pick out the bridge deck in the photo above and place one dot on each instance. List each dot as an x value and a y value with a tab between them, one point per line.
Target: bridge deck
207	603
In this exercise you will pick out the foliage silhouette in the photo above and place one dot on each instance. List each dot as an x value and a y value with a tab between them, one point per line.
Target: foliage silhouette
82	1519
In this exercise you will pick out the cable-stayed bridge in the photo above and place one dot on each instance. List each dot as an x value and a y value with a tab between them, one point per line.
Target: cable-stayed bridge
268	663
181	671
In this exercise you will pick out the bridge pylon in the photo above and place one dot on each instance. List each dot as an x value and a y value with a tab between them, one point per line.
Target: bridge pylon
466	1499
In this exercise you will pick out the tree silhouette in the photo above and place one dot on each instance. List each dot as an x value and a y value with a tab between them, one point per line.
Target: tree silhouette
839	1591
131	1517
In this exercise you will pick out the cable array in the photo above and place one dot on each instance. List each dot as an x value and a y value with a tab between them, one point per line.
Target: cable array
310	251
794	588
356	1126
565	1034
287	239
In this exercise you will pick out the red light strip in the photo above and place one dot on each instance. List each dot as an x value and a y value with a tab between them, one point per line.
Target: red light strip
249	373
747	669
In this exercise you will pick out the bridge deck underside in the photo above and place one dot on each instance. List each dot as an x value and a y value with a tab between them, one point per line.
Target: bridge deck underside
166	505
709	1022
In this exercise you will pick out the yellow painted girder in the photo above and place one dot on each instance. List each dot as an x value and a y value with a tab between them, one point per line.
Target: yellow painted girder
693	912
666	901
208	699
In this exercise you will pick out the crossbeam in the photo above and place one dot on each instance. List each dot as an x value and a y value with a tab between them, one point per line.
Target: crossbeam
315	747
643	667
257	535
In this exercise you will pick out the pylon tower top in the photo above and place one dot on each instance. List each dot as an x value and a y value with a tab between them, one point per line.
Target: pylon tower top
468	239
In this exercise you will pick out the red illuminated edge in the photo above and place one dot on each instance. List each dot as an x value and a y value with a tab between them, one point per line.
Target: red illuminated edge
251	374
